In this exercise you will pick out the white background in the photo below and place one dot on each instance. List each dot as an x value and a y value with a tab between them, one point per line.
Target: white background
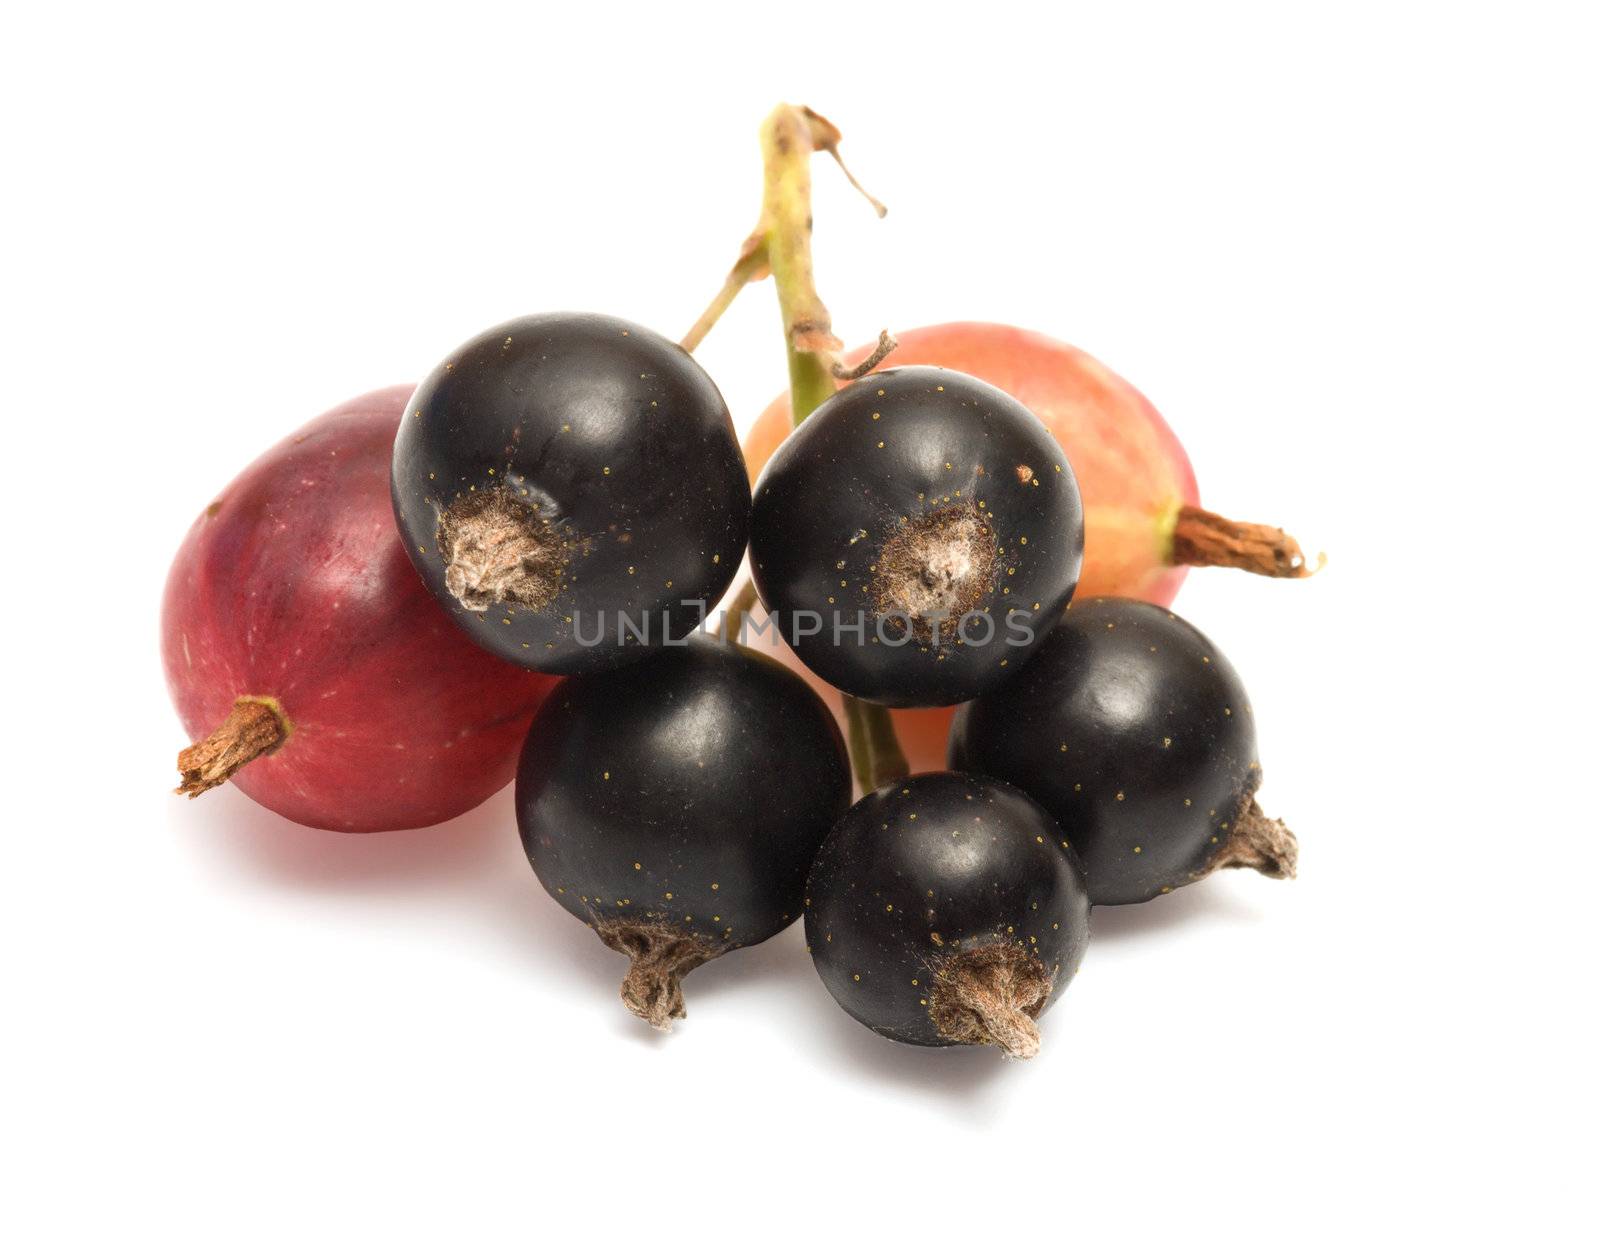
1349	250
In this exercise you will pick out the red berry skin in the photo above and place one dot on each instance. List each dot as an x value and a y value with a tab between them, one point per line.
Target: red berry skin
293	585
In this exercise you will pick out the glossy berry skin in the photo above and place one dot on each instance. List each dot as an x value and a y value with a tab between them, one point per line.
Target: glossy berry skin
292	586
914	493
1133	471
685	795
1130	466
1135	733
562	473
930	868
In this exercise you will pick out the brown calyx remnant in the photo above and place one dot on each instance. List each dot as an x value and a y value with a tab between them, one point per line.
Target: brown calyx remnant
497	549
661	955
1201	538
936	568
1257	842
254	727
990	994
887	345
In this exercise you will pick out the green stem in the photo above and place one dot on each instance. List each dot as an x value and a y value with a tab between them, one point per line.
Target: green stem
859	742
875	752
750	266
781	245
810	385
788	137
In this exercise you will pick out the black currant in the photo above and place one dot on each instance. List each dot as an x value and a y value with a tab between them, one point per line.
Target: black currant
947	909
917	536
572	491
676	805
1136	734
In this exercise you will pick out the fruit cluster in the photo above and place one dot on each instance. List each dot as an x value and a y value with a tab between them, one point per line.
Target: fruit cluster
522	554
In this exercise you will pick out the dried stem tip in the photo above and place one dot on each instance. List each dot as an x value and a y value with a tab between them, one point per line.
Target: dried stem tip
255	727
653	989
991	994
886	346
1201	538
1257	842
